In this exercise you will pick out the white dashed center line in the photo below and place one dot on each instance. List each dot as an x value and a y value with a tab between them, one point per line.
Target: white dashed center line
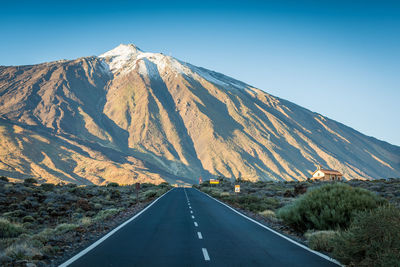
205	254
199	235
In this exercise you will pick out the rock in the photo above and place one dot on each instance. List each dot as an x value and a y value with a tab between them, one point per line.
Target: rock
30	264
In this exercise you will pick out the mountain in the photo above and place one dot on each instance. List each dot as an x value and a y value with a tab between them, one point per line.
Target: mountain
130	116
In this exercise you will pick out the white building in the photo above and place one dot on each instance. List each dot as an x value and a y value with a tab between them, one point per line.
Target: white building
326	175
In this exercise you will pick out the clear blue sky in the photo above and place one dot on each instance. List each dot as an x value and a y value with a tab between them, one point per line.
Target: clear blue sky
338	58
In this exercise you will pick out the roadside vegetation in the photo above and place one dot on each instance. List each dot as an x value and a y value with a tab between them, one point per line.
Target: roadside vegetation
356	222
40	222
328	207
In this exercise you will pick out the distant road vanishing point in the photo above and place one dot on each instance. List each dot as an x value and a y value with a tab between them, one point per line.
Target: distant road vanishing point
188	228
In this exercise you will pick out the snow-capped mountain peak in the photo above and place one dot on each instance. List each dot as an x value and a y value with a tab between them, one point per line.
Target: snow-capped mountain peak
123	50
126	57
119	56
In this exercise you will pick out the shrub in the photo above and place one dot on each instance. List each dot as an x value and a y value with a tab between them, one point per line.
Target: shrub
48	250
86	221
271	202
115	194
150	194
327	207
30	181
28	219
250	202
104	214
9	229
164	185
146	185
83	204
253	203
3	178
44	235
269	214
112	185
321	240
47	186
64	227
161	191
373	239
21	251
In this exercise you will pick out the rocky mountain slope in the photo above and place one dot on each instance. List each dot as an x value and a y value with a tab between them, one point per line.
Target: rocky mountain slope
129	116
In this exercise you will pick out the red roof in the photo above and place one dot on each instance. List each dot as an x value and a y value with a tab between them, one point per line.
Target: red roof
326	171
330	172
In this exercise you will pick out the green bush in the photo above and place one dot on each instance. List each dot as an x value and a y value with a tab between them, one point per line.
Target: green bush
373	239
21	251
164	185
9	229
86	221
98	206
321	240
104	214
146	185
112	184
268	214
115	194
28	218
64	227
30	181
328	207
44	235
47	186
150	194
249	202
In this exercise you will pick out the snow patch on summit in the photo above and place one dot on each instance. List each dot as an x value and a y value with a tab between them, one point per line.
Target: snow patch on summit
120	56
124	58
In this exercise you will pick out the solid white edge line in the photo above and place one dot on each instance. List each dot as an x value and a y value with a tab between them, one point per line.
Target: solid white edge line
205	254
275	232
199	235
95	244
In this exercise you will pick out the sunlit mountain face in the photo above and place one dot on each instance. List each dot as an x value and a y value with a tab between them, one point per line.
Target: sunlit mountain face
130	116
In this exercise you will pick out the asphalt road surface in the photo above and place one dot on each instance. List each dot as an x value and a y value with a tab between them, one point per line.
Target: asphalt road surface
187	228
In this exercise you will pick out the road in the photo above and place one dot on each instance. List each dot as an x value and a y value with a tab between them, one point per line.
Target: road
188	228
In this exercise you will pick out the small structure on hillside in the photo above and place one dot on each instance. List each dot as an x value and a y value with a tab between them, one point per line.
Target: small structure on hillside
326	175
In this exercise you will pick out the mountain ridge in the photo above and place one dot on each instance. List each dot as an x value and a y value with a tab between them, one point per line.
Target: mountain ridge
151	117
